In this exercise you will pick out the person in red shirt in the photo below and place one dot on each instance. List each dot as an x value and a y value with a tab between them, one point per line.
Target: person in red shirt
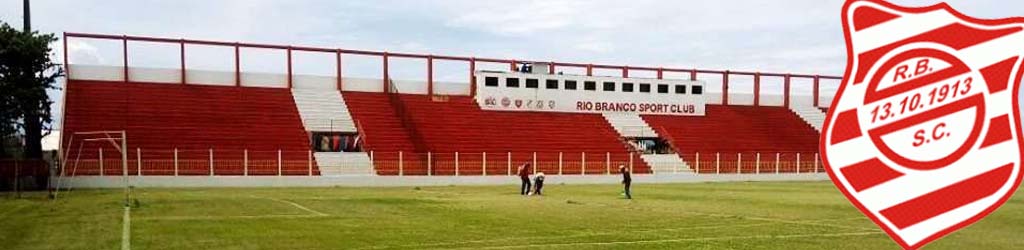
524	178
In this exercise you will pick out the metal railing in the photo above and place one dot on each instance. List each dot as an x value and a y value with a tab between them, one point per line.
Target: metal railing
245	162
472	61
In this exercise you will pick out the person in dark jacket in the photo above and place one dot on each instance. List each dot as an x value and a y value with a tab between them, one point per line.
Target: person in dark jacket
524	178
626	181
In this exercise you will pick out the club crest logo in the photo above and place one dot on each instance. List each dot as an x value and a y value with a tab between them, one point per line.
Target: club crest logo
519	103
924	134
505	102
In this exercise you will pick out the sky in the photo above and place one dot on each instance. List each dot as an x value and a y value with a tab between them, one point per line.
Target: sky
799	36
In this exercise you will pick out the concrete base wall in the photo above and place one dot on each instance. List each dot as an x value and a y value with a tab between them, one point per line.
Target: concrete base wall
398	181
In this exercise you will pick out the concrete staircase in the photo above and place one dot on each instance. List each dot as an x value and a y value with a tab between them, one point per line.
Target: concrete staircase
323	110
343	163
810	114
629	125
666	164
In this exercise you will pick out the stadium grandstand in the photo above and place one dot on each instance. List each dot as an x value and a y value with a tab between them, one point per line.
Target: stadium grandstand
655	120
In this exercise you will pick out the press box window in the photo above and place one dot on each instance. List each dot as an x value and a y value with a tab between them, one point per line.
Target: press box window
680	89
645	87
588	85
570	85
491	81
531	83
609	86
627	87
697	90
551	84
512	82
663	88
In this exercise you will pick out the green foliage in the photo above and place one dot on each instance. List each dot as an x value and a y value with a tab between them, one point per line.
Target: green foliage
26	72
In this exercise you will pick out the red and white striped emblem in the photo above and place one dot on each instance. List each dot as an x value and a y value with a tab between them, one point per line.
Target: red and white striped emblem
924	134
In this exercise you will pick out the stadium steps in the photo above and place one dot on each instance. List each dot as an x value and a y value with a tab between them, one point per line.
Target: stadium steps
323	110
812	115
666	163
629	125
384	134
343	163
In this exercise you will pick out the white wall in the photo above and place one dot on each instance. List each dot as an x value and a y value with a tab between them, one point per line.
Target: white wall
273	80
562	100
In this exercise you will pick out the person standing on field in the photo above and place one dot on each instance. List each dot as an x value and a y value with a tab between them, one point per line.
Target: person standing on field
524	178
626	181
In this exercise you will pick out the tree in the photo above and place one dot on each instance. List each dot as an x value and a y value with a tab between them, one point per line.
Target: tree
26	72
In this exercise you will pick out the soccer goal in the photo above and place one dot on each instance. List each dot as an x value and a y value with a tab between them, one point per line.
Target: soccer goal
93	153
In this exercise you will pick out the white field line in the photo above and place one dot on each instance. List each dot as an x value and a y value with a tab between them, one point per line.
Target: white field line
442	244
126	229
231	217
606	243
314	212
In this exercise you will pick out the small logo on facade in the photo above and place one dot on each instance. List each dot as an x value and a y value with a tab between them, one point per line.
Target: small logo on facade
505	102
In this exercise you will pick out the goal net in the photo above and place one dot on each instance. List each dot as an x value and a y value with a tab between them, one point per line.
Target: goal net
93	153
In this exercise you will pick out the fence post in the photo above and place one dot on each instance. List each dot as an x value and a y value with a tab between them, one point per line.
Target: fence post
101	161
607	163
718	163
757	164
456	163
309	161
279	173
776	163
509	163
483	165
175	161
534	162
430	163
696	162
583	163
739	163
559	163
815	163
798	163
245	162
211	161
138	161
400	163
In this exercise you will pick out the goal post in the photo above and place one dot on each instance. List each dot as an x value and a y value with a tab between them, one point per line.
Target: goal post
82	144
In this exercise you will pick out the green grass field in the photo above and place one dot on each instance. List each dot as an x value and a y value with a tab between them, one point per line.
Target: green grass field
791	215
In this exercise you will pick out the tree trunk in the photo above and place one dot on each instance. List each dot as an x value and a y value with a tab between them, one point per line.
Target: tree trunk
33	136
